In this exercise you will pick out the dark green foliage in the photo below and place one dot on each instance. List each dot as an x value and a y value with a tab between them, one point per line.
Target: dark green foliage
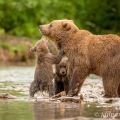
102	16
22	17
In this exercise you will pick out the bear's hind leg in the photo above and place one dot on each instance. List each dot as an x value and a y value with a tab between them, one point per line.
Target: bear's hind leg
41	89
110	87
51	90
33	88
119	90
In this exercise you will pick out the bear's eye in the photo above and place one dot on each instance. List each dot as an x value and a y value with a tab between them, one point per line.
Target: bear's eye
50	25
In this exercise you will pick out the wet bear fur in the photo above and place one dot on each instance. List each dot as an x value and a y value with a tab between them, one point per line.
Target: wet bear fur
87	54
43	72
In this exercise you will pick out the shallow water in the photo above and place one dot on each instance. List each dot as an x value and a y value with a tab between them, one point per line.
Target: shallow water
15	110
16	81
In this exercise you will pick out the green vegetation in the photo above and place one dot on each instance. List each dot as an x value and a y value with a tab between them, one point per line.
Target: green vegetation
102	16
5	45
18	47
2	31
22	18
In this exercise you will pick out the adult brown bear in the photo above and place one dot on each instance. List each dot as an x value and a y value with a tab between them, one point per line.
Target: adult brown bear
87	53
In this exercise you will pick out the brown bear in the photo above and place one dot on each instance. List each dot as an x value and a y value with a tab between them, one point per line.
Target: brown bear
43	72
87	54
61	77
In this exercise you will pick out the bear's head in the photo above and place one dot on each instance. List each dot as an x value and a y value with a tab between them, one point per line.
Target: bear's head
61	68
41	47
58	30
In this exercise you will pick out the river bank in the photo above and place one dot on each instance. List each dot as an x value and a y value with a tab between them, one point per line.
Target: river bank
16	51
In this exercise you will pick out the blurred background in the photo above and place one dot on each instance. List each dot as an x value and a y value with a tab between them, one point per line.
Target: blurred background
19	30
19	21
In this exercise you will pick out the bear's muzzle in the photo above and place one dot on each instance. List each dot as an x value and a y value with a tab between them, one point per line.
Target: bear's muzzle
40	27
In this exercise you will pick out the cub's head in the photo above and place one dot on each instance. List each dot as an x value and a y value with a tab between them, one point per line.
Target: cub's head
41	47
58	30
61	68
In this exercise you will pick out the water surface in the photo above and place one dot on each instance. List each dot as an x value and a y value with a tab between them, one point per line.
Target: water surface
16	81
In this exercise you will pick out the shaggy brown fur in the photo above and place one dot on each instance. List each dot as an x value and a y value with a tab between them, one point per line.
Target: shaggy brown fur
87	53
61	78
44	73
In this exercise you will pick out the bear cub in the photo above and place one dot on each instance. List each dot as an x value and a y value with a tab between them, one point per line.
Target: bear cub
61	77
43	72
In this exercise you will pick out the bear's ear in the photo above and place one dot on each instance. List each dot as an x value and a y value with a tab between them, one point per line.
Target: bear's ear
66	25
33	49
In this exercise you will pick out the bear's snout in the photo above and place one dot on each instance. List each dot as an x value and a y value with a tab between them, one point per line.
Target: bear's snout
42	30
33	49
40	27
63	72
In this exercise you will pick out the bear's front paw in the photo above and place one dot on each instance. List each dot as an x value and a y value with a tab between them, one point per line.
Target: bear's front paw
70	94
